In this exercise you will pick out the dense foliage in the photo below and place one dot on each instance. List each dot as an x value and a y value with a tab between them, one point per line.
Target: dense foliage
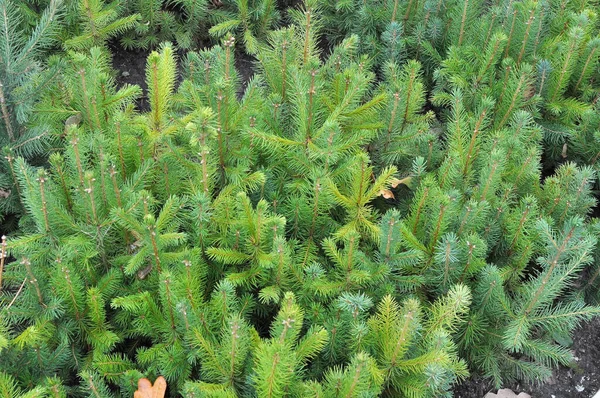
401	195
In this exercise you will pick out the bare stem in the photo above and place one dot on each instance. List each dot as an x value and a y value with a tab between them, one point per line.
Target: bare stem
6	114
42	180
463	22
2	257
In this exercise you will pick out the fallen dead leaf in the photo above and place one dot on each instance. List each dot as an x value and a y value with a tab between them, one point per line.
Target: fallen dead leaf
147	390
143	273
386	193
397	181
72	120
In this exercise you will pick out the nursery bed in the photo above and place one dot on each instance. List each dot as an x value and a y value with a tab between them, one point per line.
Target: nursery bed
582	379
383	198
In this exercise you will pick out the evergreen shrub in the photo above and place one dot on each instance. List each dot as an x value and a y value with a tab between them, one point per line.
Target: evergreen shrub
361	221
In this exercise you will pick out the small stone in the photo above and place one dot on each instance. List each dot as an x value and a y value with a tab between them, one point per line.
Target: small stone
506	393
125	73
579	388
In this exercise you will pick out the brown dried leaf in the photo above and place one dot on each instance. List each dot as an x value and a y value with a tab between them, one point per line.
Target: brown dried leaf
72	120
143	273
406	181
529	92
135	245
147	390
386	193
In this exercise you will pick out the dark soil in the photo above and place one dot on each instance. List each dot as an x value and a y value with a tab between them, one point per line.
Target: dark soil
130	66
244	64
581	380
131	69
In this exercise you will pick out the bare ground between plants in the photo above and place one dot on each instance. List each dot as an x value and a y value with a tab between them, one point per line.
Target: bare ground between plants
581	380
130	68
